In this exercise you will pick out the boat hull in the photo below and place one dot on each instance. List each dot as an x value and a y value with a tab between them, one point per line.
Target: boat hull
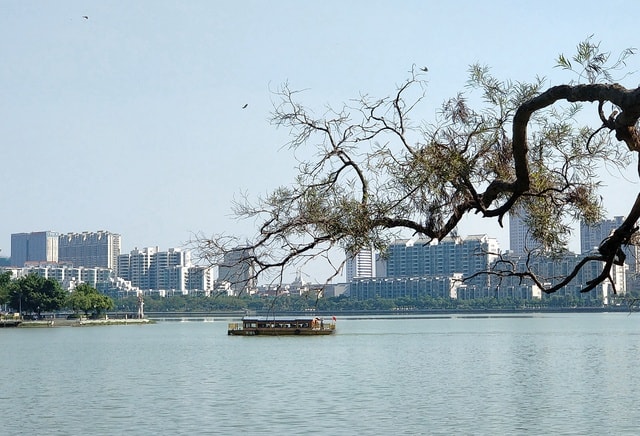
280	332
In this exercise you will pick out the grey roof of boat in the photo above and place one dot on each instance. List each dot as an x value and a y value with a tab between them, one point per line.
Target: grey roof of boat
281	318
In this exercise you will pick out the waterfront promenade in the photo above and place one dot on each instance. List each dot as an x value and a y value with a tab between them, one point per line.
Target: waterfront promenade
63	322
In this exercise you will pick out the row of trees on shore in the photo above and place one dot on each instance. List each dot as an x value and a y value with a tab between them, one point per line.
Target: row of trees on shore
34	294
222	303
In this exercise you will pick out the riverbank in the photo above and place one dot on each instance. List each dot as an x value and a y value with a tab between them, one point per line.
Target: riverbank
81	322
152	317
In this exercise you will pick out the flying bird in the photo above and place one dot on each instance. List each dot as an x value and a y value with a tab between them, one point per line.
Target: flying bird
425	69
85	17
245	105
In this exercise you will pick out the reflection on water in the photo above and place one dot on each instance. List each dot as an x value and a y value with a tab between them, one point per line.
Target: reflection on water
555	374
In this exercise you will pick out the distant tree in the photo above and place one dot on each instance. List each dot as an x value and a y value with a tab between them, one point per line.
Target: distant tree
5	280
35	294
87	299
506	146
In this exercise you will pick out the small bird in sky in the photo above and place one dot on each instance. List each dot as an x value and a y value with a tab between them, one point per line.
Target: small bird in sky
425	69
86	17
245	105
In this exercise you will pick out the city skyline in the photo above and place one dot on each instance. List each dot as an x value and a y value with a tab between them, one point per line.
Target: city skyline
513	226
414	266
151	118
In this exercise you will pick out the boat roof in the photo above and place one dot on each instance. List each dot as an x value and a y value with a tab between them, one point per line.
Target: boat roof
280	318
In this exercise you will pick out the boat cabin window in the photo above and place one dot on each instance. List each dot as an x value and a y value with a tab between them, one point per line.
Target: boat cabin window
283	324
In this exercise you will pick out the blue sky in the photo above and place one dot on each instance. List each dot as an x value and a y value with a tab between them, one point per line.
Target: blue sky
131	120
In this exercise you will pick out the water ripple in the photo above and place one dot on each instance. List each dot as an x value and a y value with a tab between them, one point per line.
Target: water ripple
535	375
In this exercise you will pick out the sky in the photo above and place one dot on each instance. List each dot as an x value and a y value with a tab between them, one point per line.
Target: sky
131	120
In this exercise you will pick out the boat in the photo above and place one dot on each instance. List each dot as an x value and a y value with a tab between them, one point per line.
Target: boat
10	322
282	326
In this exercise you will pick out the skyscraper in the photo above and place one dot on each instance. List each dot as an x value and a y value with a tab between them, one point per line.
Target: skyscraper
362	264
520	240
591	236
453	255
151	268
238	269
34	247
90	249
166	269
136	265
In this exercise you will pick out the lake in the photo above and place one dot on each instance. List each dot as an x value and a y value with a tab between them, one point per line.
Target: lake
561	374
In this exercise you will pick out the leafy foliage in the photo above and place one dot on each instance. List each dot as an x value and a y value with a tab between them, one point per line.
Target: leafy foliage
593	62
5	280
183	303
341	304
87	299
35	294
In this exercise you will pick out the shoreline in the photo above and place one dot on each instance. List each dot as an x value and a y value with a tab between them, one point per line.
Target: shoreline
154	317
59	322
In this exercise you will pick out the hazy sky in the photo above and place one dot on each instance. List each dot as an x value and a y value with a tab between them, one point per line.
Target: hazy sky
131	121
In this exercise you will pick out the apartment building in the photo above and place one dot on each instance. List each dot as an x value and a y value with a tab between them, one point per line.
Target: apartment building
69	276
90	249
238	269
34	247
520	239
453	255
361	264
171	270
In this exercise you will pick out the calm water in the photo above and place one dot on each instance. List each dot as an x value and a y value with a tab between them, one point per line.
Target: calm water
552	374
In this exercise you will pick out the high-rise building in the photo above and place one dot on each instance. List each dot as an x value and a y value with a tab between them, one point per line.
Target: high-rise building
592	235
171	270
362	264
520	240
418	268
166	269
200	278
34	247
552	270
90	249
238	269
135	267
452	255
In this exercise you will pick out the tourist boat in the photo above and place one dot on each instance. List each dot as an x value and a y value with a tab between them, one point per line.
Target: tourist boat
282	326
10	322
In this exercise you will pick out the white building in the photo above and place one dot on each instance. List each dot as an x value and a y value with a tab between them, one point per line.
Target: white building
520	240
171	270
68	276
135	267
423	258
200	278
362	264
100	249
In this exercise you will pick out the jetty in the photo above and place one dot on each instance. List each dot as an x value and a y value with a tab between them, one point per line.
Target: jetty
10	322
